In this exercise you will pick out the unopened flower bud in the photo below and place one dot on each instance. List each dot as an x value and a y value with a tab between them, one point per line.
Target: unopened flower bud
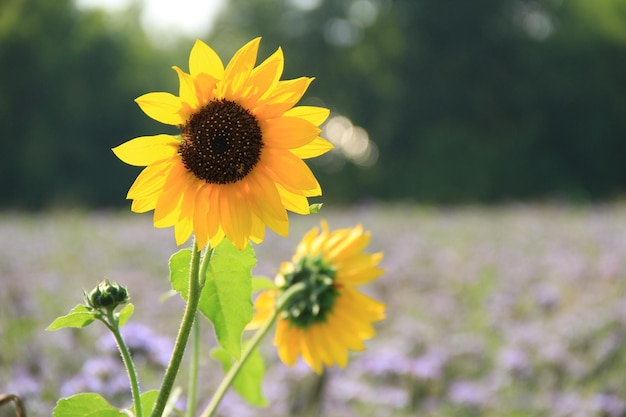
107	295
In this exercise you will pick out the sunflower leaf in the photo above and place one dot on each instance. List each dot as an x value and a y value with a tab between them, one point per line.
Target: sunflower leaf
179	271
226	298
125	314
79	316
86	405
248	382
262	283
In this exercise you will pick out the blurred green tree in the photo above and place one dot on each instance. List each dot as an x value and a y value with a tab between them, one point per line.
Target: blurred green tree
68	79
467	101
490	100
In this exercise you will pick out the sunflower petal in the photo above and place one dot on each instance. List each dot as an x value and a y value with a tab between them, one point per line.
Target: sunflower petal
239	68
315	148
315	115
290	171
288	132
293	202
282	98
263	78
186	90
204	60
150	181
162	107
267	203
147	150
235	216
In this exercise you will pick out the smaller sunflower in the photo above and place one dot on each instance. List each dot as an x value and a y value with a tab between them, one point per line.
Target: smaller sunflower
331	316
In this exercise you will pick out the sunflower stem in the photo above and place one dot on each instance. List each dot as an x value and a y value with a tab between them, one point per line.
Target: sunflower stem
254	342
113	324
193	368
186	325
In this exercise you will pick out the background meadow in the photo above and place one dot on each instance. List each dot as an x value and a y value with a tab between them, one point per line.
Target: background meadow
517	310
482	143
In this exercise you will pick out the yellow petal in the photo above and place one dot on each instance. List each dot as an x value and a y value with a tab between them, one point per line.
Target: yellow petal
167	209
204	60
150	181
316	147
257	233
281	98
263	78
187	89
182	230
287	341
315	115
290	171
205	86
238	69
344	335
162	107
200	214
266	202
338	353
288	132
235	216
147	150
143	205
293	202
349	242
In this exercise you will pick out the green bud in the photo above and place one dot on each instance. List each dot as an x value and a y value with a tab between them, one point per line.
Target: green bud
315	208
107	295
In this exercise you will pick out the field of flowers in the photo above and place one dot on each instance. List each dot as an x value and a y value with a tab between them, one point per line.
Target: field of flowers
501	311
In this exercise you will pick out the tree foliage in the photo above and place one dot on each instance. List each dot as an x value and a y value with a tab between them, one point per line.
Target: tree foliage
487	100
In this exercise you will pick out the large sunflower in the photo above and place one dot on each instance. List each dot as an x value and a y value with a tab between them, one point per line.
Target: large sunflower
237	164
330	317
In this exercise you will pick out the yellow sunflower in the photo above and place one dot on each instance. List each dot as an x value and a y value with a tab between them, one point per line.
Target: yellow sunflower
237	164
330	317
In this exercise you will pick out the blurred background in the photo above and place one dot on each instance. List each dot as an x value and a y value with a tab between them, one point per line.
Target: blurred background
481	141
433	101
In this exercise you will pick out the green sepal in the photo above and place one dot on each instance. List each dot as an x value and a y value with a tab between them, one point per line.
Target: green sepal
79	316
125	314
249	379
226	299
315	208
262	283
86	405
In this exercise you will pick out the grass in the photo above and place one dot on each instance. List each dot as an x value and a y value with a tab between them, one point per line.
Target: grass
516	310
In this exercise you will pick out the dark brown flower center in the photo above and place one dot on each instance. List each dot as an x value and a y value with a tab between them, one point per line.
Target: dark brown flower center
221	143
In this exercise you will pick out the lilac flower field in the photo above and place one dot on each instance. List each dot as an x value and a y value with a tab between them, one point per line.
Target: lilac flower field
517	310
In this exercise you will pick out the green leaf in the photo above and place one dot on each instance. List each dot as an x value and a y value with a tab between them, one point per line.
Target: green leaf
86	405
248	382
147	400
262	283
125	314
180	263
79	316
226	298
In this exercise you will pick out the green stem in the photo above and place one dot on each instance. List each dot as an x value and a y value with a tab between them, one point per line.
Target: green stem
193	369
195	342
186	324
256	339
112	323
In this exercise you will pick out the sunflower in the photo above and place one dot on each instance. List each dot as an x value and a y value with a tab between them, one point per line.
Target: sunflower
330	317
237	164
